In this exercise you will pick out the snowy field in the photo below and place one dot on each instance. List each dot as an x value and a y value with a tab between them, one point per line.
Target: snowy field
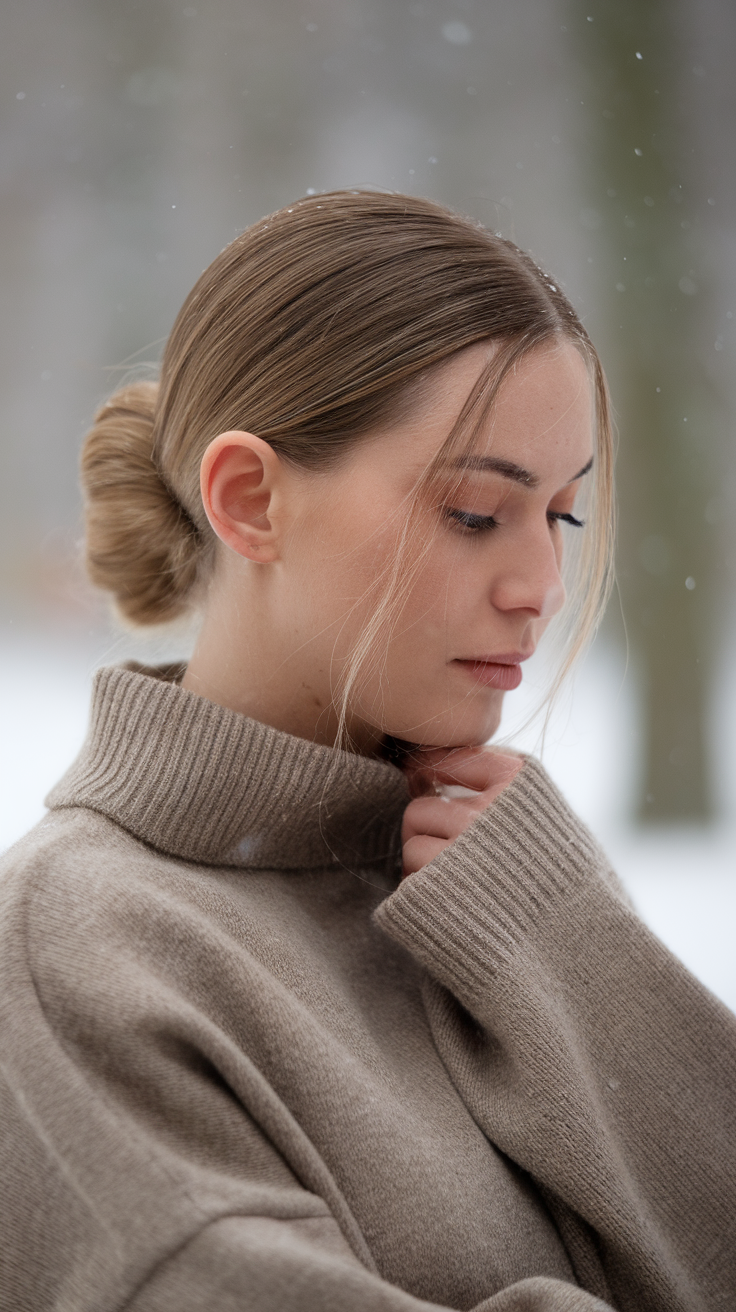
683	881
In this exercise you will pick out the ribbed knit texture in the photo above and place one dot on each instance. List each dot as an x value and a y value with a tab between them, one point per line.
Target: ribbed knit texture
245	1068
199	781
533	872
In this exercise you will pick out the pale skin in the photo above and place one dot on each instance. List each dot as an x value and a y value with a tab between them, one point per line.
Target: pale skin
299	553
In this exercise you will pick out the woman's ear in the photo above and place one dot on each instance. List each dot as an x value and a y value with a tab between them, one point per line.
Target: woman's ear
241	481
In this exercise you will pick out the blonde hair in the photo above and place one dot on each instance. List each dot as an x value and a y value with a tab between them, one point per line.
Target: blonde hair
309	330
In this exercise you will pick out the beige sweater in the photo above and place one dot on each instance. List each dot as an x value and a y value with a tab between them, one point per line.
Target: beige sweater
244	1070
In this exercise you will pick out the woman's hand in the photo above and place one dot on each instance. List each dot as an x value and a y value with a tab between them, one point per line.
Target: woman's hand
432	821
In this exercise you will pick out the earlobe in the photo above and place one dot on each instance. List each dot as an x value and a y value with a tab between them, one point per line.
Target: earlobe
240	484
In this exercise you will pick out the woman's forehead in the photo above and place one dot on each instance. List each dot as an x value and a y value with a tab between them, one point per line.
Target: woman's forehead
543	408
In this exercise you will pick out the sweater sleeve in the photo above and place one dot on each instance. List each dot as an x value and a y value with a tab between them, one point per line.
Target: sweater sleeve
583	1048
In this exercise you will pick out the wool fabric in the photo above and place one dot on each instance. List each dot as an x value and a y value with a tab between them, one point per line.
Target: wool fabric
244	1067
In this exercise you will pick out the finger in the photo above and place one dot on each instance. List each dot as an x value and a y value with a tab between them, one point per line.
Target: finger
419	767
419	851
472	767
419	779
439	817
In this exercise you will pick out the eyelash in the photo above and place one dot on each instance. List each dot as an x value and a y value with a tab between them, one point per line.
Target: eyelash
484	523
566	518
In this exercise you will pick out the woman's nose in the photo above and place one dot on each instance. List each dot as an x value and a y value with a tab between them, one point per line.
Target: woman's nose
530	578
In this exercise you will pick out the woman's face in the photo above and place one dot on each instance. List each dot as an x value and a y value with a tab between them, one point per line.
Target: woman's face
489	581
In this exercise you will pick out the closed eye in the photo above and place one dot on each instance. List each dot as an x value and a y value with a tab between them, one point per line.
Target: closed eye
470	522
473	523
566	518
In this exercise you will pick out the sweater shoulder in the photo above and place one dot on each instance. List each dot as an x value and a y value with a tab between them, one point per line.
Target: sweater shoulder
79	888
79	850
63	833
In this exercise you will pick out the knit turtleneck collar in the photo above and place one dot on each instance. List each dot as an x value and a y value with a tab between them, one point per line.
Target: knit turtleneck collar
198	781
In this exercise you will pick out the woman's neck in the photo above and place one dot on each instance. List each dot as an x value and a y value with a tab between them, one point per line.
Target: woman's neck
244	660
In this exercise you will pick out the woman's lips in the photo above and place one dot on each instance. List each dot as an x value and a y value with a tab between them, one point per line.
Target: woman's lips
504	675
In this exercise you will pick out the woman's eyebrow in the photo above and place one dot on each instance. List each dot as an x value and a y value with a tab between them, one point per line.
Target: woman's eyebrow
585	470
507	469
495	465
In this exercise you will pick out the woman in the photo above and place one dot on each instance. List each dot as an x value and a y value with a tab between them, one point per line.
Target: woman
275	1035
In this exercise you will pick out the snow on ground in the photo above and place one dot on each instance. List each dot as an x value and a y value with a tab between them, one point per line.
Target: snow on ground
683	881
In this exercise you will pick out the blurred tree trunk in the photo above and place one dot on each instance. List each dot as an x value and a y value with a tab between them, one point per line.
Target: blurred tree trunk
632	74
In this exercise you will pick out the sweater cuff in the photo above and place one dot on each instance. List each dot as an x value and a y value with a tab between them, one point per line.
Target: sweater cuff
508	879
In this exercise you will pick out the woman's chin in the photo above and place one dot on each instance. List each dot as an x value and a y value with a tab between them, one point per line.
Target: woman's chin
469	727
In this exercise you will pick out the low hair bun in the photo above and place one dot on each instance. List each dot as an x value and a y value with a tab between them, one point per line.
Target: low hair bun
141	544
